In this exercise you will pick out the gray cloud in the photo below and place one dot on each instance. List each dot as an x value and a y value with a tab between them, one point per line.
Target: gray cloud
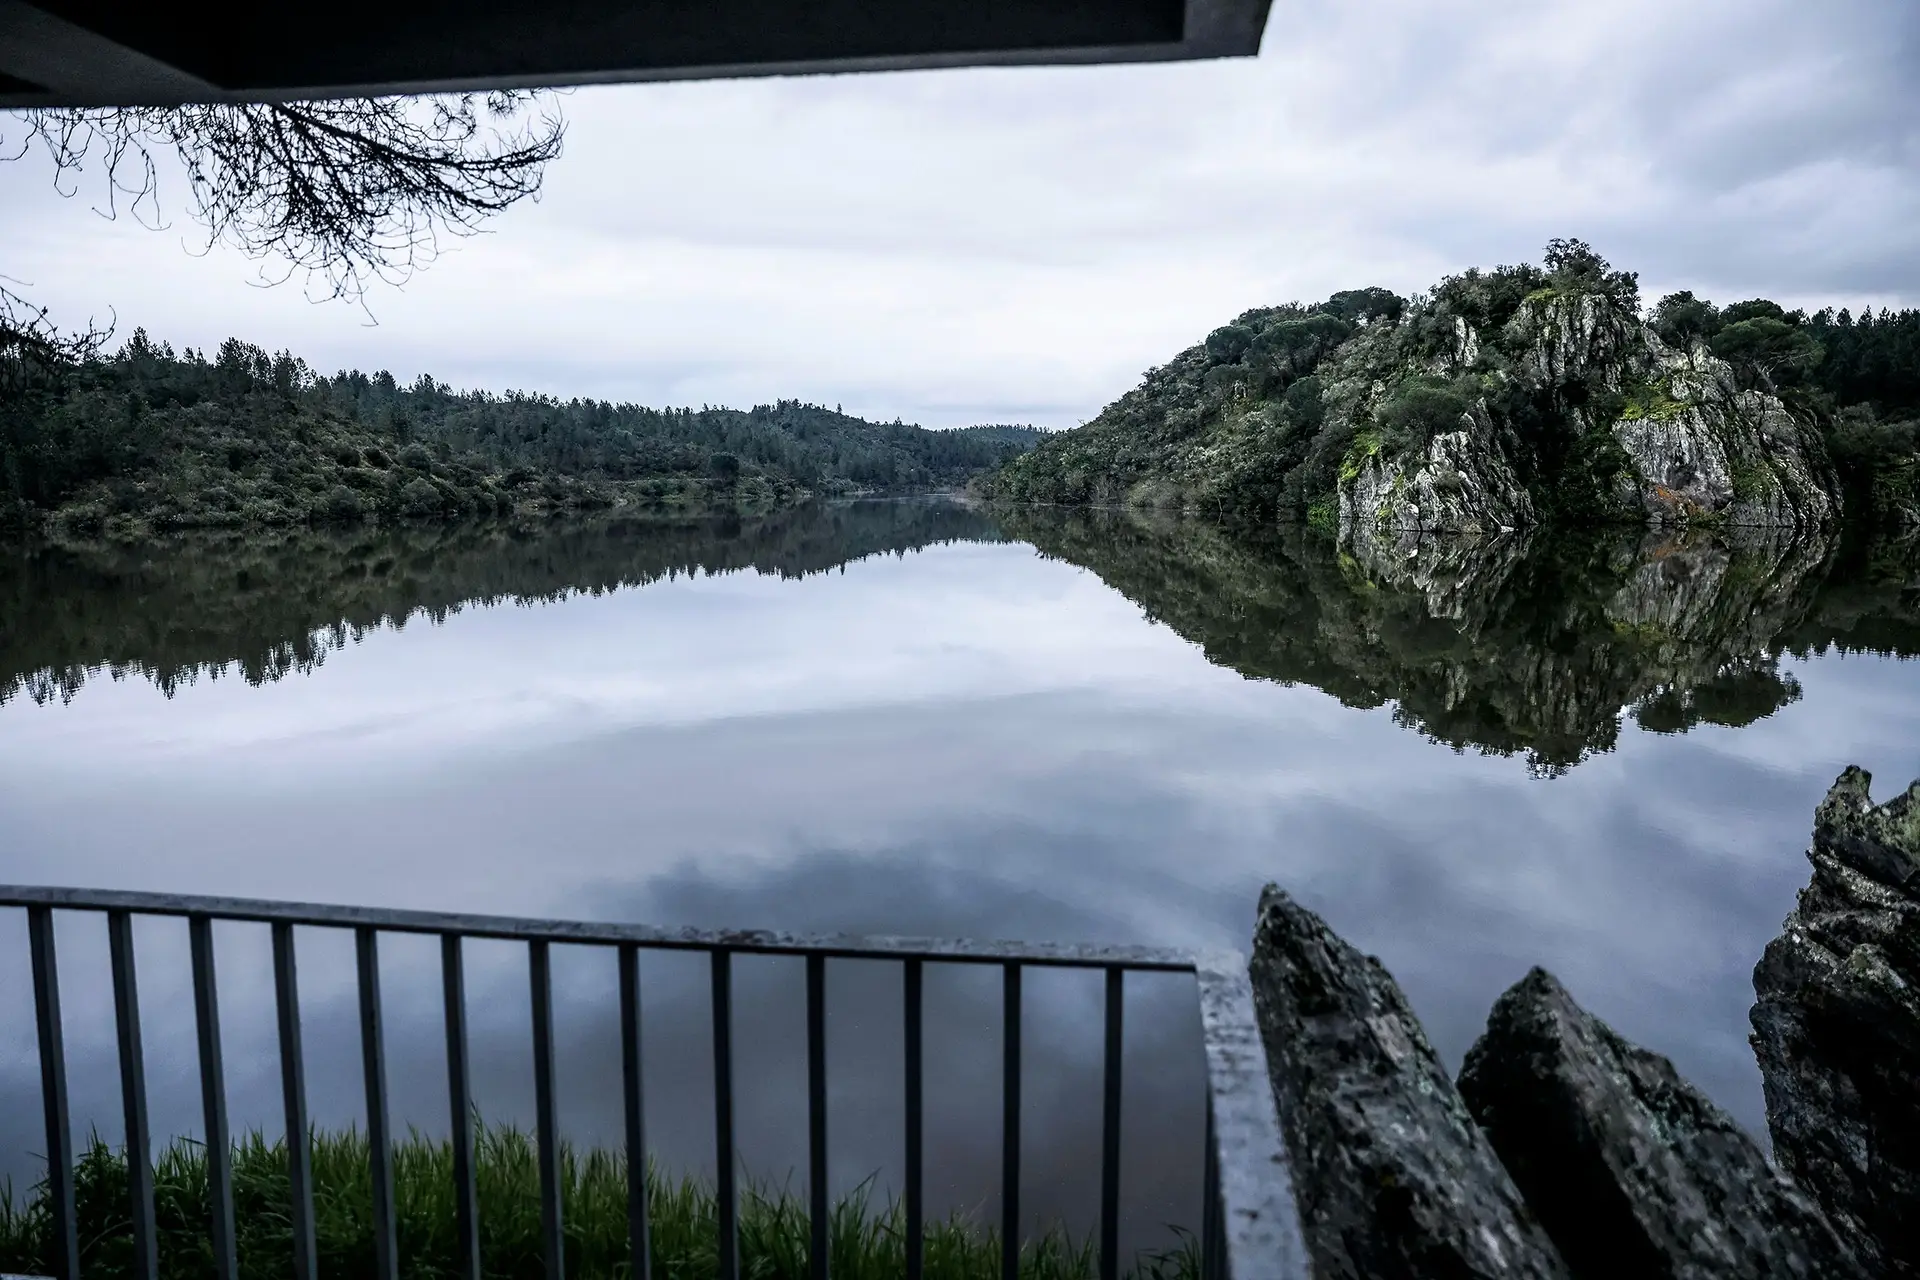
953	247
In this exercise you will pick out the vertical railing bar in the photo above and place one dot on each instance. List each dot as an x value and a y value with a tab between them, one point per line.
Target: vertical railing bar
915	1046
540	977
373	1056
817	1115
213	1095
133	1094
1110	1127
53	1092
293	1089
638	1235
725	1192
1010	1128
466	1213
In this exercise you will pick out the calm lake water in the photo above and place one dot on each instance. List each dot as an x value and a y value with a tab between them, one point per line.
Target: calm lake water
1597	755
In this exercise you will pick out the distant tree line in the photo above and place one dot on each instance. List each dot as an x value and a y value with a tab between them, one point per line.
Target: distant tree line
147	438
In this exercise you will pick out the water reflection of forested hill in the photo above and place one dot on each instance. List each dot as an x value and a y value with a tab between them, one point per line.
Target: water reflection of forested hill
268	604
1518	645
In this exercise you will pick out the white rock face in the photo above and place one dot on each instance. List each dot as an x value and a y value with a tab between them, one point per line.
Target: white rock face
1695	448
1709	448
1466	343
1463	484
1569	337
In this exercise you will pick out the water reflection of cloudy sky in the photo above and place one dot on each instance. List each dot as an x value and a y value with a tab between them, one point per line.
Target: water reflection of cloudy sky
966	740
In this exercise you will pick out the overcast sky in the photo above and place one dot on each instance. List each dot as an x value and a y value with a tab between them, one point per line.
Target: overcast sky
1017	245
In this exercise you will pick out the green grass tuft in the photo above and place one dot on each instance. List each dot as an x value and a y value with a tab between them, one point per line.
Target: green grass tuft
1366	444
868	1241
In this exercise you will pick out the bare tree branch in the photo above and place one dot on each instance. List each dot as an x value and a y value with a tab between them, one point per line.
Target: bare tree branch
30	343
347	191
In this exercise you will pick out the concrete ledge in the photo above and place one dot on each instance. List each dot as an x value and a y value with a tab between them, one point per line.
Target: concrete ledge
102	52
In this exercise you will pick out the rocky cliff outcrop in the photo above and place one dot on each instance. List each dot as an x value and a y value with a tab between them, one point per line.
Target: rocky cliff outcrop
1461	483
1836	1022
1526	394
1632	1170
1700	445
1394	1178
1666	436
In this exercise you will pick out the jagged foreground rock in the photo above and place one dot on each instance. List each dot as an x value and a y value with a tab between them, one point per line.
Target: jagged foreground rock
1836	1023
1394	1178
1563	1151
1633	1171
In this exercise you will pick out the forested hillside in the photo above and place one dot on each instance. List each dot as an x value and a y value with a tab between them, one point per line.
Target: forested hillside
1525	394
149	439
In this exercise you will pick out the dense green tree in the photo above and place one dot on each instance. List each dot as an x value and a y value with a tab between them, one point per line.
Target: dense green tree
1573	265
1758	309
1681	320
1422	408
1871	359
1771	351
1487	299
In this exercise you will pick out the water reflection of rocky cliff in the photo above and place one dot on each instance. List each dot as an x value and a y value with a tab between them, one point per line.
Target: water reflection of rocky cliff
1538	645
263	605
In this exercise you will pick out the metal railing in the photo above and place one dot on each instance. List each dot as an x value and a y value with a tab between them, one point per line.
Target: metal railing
1250	1228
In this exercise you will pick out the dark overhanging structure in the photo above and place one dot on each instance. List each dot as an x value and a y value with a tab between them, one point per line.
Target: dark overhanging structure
168	52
